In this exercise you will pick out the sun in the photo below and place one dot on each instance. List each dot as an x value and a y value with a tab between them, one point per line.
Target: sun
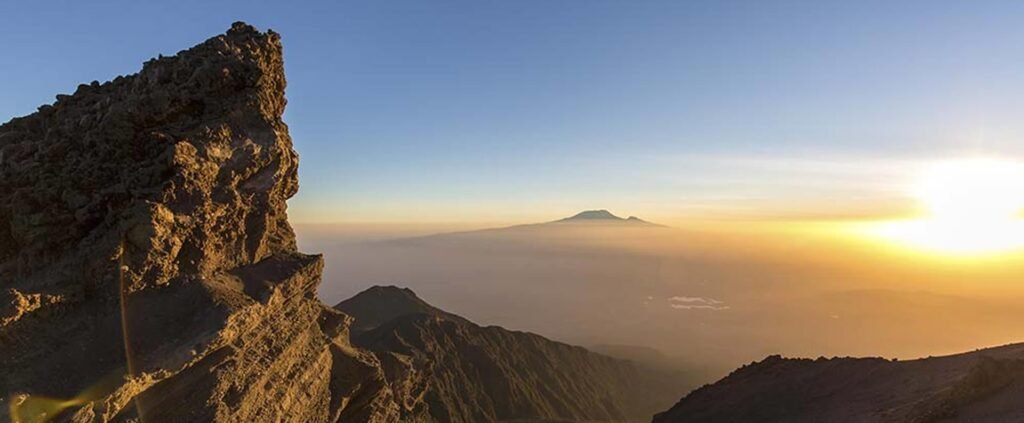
971	207
966	191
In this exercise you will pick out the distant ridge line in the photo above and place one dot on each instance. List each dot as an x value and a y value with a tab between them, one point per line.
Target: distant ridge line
594	217
601	215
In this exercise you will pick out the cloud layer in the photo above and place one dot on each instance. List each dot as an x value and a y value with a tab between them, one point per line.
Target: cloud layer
696	303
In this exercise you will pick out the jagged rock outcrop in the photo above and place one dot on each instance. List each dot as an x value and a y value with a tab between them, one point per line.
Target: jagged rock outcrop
148	273
980	386
445	368
147	268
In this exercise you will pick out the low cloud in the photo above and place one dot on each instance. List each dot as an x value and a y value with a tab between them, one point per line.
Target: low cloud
690	300
698	307
696	303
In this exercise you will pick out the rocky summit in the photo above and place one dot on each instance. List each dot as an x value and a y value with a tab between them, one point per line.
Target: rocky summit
148	269
148	273
382	304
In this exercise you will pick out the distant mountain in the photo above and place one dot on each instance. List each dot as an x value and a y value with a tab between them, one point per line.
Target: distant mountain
453	370
592	215
601	216
578	226
980	386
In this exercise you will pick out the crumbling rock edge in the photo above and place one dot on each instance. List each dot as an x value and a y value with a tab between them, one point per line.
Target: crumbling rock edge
147	261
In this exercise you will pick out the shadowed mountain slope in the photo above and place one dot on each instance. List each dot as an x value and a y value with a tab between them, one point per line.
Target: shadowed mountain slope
980	386
467	373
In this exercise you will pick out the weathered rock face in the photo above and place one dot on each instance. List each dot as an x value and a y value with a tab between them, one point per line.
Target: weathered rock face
148	273
980	386
147	267
444	368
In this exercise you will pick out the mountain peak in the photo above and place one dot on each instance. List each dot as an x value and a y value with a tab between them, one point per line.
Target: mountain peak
390	291
380	304
601	214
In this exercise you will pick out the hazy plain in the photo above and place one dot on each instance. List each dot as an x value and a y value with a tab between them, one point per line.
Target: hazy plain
702	299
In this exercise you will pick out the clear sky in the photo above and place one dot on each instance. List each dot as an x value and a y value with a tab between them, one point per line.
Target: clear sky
522	110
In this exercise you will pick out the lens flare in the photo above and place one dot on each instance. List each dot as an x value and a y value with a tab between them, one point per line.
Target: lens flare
36	409
25	408
41	409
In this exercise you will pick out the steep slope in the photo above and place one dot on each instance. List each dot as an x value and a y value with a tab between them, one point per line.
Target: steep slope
980	386
451	370
148	269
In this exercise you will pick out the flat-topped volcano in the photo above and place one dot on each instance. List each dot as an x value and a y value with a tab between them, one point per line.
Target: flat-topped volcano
601	216
593	215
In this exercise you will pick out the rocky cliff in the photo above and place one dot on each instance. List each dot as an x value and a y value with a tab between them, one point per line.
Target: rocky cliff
980	386
147	268
448	369
148	273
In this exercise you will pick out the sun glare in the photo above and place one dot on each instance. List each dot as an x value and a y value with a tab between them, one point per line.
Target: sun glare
973	207
970	190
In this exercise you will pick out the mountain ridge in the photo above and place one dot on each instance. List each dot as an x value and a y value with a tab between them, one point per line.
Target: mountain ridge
978	386
596	219
503	375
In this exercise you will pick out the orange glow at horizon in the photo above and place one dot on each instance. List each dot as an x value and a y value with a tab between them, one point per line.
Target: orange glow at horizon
973	209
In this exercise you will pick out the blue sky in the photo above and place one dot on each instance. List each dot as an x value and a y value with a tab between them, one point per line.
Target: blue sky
517	110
